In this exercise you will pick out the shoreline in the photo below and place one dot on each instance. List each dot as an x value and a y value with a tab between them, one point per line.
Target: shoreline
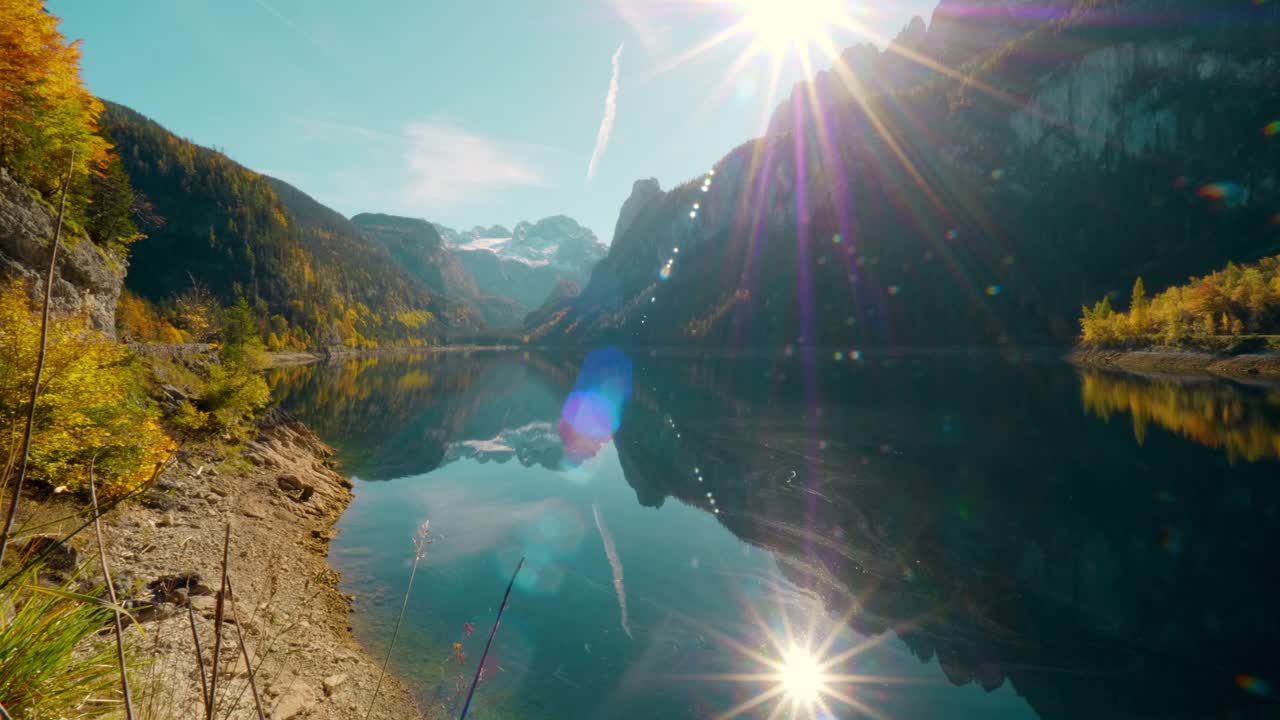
308	357
1248	366
281	497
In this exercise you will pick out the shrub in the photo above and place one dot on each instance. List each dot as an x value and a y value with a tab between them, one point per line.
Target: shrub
92	404
233	389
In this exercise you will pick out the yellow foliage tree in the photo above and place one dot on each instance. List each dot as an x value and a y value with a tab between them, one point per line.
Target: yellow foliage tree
45	110
1231	303
91	406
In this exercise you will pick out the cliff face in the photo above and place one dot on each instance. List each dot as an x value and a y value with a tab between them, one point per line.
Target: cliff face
642	193
88	280
978	181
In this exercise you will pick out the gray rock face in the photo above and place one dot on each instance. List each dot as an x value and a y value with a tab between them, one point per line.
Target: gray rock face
88	280
642	193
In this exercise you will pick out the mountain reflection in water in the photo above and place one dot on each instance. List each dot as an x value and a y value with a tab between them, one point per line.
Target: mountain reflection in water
962	507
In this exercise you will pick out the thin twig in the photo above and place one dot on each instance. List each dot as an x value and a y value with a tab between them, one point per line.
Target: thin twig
492	632
217	629
244	650
44	343
195	638
111	592
420	543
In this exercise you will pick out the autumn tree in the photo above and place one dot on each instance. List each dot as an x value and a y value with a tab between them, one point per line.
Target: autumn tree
1138	306
1236	301
90	407
46	113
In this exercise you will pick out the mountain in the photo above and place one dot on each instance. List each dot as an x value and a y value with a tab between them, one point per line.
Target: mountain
642	193
417	246
525	263
977	181
307	272
549	313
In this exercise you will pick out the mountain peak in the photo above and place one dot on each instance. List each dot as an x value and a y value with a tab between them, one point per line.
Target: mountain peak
642	192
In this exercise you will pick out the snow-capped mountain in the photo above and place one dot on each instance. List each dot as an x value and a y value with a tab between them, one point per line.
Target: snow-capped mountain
528	261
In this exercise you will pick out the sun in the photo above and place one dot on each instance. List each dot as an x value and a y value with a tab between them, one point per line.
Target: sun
801	676
795	662
782	26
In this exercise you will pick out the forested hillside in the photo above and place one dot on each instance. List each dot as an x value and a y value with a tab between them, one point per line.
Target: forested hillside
417	247
310	277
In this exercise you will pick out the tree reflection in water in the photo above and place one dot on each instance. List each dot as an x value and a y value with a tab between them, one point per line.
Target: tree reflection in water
1243	421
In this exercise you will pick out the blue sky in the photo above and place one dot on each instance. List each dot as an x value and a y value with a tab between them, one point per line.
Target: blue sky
465	113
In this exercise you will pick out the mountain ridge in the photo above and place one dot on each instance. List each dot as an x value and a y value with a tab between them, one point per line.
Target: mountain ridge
526	263
305	271
982	206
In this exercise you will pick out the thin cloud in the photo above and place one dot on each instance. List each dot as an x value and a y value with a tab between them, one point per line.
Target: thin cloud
448	165
610	114
291	24
639	15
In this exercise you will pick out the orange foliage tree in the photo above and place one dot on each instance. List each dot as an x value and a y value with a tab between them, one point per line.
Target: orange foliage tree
45	110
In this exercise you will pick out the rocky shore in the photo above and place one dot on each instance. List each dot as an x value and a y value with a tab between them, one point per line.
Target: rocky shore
281	497
1255	366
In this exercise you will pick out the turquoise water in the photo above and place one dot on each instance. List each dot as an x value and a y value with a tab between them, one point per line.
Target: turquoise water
960	537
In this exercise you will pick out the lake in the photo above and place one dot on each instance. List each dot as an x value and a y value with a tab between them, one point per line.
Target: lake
835	535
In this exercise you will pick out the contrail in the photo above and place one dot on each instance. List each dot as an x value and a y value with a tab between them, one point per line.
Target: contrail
610	113
616	563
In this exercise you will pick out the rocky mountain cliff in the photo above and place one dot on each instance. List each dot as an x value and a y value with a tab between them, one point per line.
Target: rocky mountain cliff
89	279
977	181
525	263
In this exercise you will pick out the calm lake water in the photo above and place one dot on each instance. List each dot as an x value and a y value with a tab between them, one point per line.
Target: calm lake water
957	536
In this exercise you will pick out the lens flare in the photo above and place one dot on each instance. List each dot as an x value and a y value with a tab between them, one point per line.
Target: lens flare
801	676
781	25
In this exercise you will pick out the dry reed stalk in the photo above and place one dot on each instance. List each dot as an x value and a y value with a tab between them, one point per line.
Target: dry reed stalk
44	343
111	592
217	630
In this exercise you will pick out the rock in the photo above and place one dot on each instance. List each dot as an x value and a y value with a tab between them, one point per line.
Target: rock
307	492
293	703
58	557
289	483
239	668
204	604
159	498
332	683
89	278
643	192
168	519
177	589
